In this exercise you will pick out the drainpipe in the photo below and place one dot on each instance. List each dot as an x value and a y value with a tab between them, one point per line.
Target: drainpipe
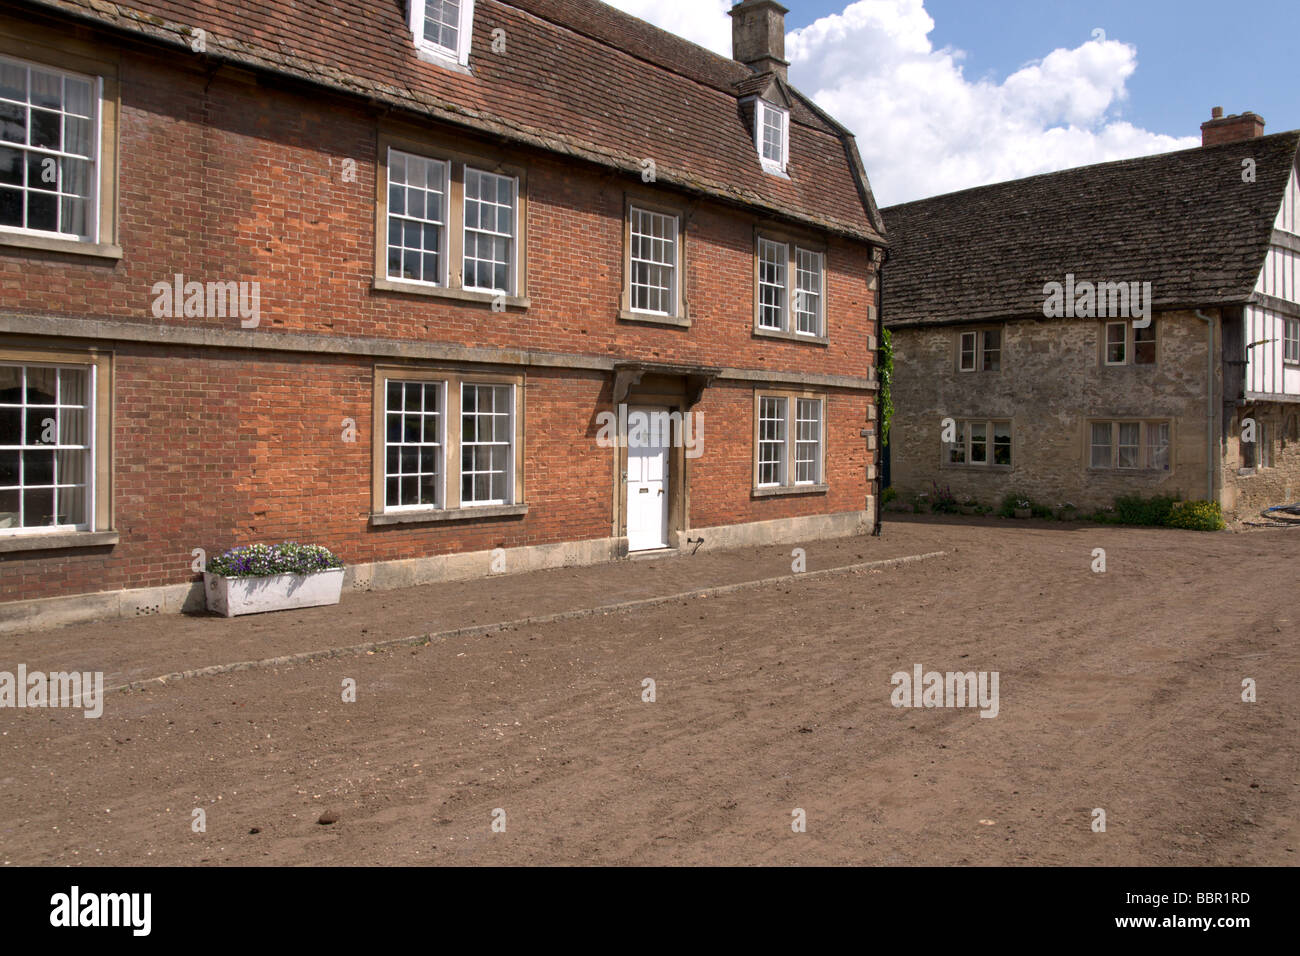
1209	403
879	414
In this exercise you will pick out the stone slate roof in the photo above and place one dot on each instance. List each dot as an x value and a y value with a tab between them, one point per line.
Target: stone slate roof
1183	221
577	77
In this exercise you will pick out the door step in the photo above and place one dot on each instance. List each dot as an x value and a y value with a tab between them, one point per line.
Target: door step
654	553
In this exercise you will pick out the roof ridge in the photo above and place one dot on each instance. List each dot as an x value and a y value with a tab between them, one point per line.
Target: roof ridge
1150	157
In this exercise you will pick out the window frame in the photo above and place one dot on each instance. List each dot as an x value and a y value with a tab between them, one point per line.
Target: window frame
980	349
965	443
1130	344
1290	341
761	110
680	316
55	51
790	483
792	245
452	380
512	269
97	528
465	34
456	161
1143	445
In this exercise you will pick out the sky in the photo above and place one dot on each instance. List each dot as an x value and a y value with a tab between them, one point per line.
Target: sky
947	94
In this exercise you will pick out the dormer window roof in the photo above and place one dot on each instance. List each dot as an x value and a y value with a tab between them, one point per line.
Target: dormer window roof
772	136
443	29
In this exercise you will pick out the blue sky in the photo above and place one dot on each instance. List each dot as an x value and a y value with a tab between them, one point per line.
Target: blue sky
947	94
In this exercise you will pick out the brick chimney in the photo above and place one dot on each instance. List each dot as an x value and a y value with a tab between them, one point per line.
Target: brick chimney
1220	129
758	36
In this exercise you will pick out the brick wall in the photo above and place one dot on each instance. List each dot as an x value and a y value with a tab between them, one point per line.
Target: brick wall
226	178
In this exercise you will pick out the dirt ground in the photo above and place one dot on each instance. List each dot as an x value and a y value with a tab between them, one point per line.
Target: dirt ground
1118	690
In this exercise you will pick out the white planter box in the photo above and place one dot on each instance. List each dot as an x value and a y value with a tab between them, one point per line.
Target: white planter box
275	592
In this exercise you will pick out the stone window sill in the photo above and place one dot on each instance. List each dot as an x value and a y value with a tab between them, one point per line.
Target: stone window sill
460	295
92	250
626	315
791	336
790	490
470	513
37	541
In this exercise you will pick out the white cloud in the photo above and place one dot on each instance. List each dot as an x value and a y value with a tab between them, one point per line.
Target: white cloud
923	128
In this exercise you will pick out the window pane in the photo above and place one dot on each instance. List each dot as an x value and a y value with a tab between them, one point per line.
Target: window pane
772	258
1158	446
771	441
979	449
807	445
1101	445
489	230
968	351
487	442
654	262
1128	444
808	292
1115	338
417	191
1002	443
992	350
1144	345
957	450
413	449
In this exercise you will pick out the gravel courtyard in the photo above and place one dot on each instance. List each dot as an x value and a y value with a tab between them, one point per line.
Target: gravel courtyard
1119	691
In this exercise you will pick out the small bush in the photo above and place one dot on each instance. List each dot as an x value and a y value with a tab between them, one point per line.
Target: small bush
259	560
1197	516
888	495
943	501
1013	500
1150	512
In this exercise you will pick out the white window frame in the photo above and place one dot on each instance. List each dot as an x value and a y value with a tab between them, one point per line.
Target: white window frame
90	490
1291	341
444	244
780	255
1129	343
441	492
512	281
1143	444
799	293
979	350
464	34
964	443
509	469
674	261
817	443
91	235
762	109
782	444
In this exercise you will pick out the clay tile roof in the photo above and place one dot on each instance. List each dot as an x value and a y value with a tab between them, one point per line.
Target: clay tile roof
578	78
1183	221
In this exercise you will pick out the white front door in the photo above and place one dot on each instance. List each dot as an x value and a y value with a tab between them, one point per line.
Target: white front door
648	439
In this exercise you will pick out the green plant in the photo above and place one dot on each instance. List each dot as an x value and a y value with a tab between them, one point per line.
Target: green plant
886	377
259	560
1197	516
888	495
1011	501
1151	512
944	501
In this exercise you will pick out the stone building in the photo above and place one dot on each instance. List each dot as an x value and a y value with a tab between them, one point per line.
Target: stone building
367	275
1109	330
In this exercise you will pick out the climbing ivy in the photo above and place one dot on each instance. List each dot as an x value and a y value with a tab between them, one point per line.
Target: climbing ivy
886	381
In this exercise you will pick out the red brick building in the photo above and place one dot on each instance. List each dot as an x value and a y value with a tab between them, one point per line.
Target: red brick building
367	274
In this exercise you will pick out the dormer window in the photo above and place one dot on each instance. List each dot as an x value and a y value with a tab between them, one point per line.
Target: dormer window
442	28
772	136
